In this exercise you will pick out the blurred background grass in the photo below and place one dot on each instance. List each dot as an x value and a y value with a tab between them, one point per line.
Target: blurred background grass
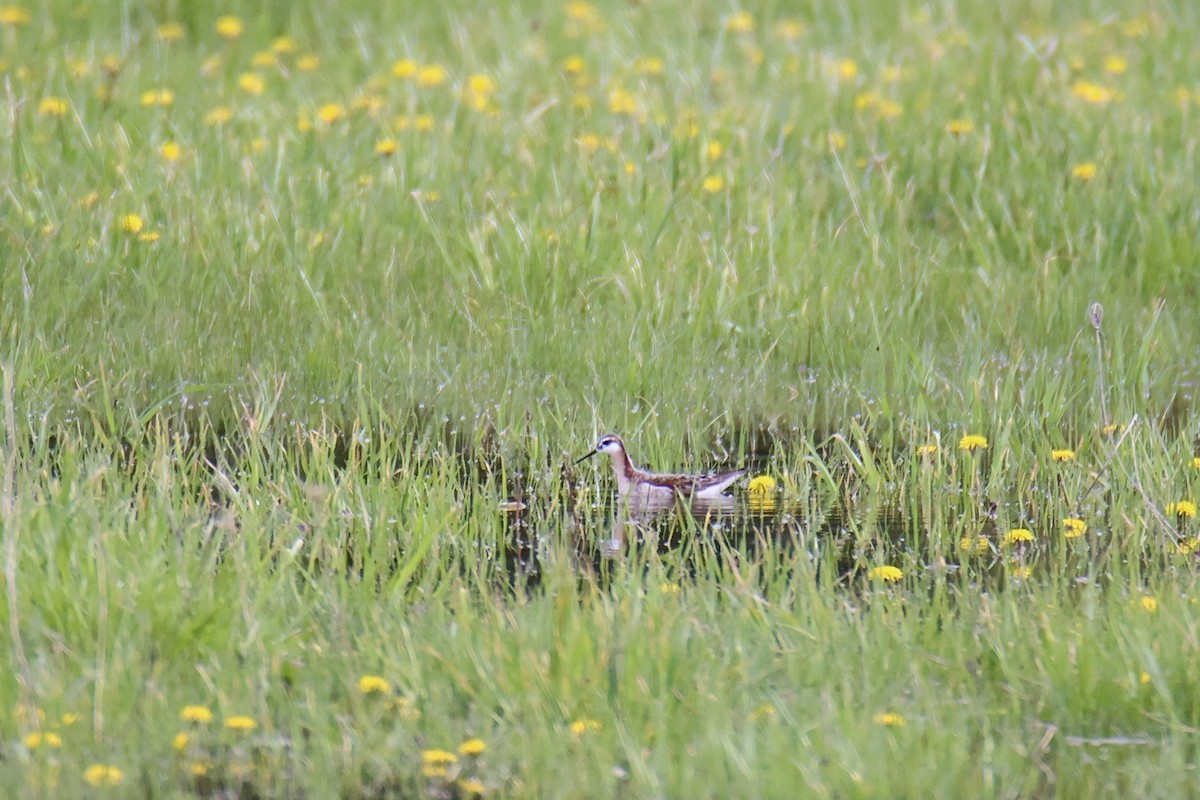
893	215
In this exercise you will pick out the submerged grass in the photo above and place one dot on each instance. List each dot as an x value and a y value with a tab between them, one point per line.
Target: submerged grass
306	311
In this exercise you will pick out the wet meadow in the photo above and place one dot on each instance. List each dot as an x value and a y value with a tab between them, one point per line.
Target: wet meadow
307	311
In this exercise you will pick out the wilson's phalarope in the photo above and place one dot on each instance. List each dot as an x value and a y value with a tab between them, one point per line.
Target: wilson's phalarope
643	486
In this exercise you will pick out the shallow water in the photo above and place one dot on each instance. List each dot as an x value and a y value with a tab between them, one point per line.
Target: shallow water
542	502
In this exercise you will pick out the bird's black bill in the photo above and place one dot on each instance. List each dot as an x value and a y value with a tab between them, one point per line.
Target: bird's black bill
585	458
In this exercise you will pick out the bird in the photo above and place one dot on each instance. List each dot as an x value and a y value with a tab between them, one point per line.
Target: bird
644	487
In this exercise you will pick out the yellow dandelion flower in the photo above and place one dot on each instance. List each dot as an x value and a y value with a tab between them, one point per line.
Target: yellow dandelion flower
978	545
424	123
158	97
405	708
263	59
481	84
713	184
38	739
386	147
761	484
1018	536
103	775
1092	93
438	757
434	771
13	15
472	747
431	75
959	127
621	101
886	573
197	714
1084	171
762	501
471	786
230	27
790	30
765	711
283	45
1073	528
574	65
1115	65
1144	678
889	719
582	726
169	32
198	769
864	100
929	449
648	65
1138	26
1148	604
180	742
251	83
111	66
131	223
170	151
374	684
480	101
52	107
1187	546
739	22
1062	455
1020	572
1184	508
889	109
69	719
837	140
240	722
583	11
404	68
218	116
668	588
308	63
972	442
149	236
579	9
1196	462
330	113
713	150
370	103
847	69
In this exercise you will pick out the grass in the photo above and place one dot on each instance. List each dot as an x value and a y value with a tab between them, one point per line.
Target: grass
278	345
